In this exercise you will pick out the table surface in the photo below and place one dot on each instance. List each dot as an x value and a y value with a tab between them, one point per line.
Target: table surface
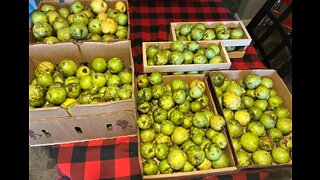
118	158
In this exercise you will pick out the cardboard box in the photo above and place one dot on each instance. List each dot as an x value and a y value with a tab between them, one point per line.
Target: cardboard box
212	172
184	67
102	120
67	3
242	43
281	90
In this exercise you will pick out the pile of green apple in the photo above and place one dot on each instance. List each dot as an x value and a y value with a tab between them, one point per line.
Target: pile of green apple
259	125
199	31
98	22
191	53
67	84
177	129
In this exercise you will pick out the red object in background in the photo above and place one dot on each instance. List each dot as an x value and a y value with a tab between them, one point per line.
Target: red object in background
277	12
287	22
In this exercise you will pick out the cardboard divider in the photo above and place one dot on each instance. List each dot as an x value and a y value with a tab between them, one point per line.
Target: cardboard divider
90	50
282	91
241	43
184	67
85	52
67	3
188	78
81	128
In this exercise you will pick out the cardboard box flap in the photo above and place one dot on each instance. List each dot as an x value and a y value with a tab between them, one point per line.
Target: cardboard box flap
106	50
82	128
85	109
52	112
53	53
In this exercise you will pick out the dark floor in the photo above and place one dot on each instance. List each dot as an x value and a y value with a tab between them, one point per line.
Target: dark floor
42	166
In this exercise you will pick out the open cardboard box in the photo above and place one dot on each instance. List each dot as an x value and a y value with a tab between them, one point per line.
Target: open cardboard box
184	67
241	44
53	125
281	90
205	173
67	3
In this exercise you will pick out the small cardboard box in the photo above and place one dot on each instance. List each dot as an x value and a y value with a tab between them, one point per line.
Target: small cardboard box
240	43
188	78
184	67
281	90
67	3
53	125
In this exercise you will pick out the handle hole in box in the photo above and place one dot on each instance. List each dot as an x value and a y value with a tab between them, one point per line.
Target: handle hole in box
46	133
109	126
78	129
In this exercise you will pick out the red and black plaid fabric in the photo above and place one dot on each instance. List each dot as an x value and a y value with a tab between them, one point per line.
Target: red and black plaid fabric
113	159
98	159
118	158
249	61
150	21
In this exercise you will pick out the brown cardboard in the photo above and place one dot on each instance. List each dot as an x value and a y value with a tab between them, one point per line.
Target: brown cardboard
212	172
63	130
243	43
184	67
67	3
53	119
239	53
281	90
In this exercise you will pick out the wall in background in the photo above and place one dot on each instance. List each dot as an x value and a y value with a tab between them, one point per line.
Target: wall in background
248	9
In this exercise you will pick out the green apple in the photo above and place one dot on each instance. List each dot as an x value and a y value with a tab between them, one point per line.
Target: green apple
99	64
94	26
76	7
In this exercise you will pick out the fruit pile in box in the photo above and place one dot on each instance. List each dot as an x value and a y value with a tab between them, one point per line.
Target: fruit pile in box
258	123
99	21
178	128
67	84
179	53
201	32
184	56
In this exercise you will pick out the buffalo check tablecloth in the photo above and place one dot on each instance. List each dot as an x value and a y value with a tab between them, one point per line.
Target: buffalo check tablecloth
113	159
118	158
